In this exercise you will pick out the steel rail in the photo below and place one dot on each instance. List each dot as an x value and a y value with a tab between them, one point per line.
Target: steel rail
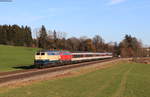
8	77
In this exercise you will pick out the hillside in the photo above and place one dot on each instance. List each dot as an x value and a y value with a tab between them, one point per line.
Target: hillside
11	57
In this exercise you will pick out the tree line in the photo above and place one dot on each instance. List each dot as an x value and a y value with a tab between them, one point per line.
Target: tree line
22	36
57	40
15	35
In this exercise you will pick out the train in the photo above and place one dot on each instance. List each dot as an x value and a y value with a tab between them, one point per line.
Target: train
49	58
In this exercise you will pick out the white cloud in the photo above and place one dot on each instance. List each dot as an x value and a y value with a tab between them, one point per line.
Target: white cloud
113	2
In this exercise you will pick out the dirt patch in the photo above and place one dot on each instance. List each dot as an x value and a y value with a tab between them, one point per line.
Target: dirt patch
145	60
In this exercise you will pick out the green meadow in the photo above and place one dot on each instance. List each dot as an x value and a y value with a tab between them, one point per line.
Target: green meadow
122	80
12	56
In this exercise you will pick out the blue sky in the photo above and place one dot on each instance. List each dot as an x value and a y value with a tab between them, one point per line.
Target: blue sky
111	19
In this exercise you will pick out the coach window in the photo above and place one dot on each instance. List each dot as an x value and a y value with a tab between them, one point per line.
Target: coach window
99	55
77	56
88	55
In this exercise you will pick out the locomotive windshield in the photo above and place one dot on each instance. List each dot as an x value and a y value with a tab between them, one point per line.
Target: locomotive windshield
40	53
37	53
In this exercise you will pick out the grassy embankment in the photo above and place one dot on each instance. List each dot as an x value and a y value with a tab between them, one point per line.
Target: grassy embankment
11	56
122	80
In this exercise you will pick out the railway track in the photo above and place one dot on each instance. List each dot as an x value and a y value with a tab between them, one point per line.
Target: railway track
8	77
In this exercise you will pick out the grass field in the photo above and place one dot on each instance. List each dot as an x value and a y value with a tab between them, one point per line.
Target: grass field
11	56
122	80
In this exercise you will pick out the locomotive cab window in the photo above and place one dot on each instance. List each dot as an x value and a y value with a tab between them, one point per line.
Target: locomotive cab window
77	56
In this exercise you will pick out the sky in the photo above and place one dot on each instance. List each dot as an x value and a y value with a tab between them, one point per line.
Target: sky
111	19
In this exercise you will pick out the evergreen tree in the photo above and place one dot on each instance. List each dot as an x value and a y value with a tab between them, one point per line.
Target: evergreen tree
28	37
42	39
3	34
55	40
15	35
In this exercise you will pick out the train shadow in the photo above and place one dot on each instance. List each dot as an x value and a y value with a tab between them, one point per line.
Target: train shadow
25	67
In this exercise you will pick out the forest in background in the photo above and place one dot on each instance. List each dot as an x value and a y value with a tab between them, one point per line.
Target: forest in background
22	36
